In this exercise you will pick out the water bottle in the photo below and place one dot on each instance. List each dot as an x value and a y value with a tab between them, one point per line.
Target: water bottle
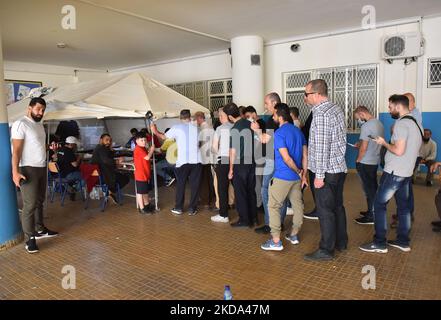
227	293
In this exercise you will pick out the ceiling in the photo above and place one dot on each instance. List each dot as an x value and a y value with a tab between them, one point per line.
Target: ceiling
113	34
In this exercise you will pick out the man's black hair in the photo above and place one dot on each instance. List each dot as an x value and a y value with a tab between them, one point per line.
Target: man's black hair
399	99
282	110
232	110
36	100
104	135
133	130
250	109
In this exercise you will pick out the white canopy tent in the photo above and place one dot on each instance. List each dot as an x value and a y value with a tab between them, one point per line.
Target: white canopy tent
125	96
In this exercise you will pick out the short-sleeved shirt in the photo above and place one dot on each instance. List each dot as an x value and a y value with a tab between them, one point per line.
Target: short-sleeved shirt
290	137
65	158
34	146
373	128
222	134
142	166
186	136
242	140
402	166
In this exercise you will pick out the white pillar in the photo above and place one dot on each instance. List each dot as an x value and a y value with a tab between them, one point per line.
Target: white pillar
248	82
10	228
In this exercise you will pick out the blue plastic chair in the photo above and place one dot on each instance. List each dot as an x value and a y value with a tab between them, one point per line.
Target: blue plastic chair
58	184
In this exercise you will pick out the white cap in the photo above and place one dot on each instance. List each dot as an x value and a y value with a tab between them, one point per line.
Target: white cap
71	139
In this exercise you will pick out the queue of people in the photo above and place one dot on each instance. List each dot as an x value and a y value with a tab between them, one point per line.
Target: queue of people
246	162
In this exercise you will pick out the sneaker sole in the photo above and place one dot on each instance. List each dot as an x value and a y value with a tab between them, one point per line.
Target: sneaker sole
30	251
46	236
272	248
310	218
176	213
364	223
220	221
374	250
399	247
293	242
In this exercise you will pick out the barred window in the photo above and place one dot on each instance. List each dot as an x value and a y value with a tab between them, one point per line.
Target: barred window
434	73
211	94
348	87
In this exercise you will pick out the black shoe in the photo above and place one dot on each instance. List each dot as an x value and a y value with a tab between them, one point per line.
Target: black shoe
45	233
176	211
239	224
436	224
429	183
311	215
263	230
364	220
364	213
396	244
341	249
319	255
193	212
147	210
31	245
72	196
436	229
373	247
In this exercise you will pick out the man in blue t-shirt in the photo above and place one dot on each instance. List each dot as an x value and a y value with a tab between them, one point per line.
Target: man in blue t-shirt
291	161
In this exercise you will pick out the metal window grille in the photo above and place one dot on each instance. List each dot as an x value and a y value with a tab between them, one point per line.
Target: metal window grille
193	90
434	73
220	92
348	87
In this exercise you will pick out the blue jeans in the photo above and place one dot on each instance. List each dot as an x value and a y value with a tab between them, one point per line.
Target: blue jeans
74	177
398	187
161	169
265	185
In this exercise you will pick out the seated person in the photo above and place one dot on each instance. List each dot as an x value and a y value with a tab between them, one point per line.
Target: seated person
103	156
131	143
427	156
69	165
437	224
164	168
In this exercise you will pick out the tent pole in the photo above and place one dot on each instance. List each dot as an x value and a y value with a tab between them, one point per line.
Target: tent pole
47	168
155	181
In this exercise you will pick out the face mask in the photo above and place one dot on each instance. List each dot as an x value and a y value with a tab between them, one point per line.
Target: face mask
361	122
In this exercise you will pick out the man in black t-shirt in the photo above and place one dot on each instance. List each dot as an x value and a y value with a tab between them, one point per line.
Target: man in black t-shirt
69	165
242	167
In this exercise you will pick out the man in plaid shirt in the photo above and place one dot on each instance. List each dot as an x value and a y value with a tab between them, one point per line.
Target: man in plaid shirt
326	153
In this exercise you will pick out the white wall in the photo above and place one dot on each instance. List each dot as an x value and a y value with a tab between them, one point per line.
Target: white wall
50	75
431	97
348	49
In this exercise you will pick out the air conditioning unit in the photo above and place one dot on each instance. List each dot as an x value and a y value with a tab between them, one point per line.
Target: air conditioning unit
402	46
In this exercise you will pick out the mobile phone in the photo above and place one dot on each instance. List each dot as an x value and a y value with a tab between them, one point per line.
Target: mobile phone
372	137
352	145
22	181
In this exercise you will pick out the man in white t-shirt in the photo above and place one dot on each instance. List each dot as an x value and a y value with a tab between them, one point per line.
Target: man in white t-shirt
188	164
29	171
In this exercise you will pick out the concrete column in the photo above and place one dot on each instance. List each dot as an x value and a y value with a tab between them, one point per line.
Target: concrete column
248	72
10	228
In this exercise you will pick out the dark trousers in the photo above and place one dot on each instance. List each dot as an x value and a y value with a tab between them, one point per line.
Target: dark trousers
33	193
428	164
400	188
206	189
191	172
368	177
244	182
311	185
331	211
438	203
223	184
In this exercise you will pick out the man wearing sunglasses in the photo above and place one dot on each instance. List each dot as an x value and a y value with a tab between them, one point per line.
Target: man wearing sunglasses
326	154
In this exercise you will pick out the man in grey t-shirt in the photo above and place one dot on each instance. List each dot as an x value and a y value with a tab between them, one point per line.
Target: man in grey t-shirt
368	159
399	163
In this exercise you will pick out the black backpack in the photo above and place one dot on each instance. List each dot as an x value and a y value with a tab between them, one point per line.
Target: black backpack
383	150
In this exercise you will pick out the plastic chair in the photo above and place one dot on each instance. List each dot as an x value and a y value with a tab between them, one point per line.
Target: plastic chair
57	184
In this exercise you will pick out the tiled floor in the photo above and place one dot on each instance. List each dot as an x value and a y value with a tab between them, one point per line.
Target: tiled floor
120	254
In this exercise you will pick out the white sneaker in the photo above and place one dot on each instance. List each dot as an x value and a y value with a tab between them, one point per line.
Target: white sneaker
219	218
289	212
